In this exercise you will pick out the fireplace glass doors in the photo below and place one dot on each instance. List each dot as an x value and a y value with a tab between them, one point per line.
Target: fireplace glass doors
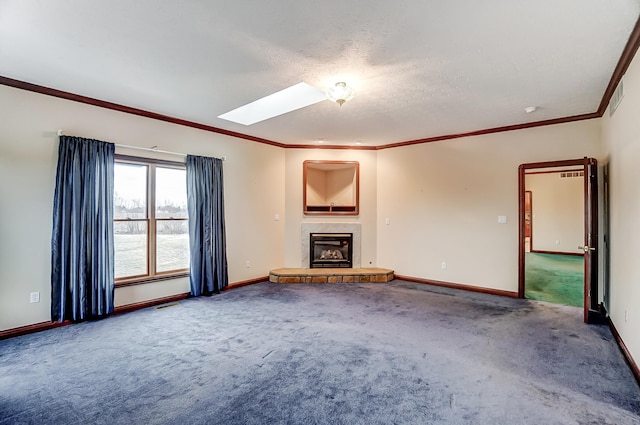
331	250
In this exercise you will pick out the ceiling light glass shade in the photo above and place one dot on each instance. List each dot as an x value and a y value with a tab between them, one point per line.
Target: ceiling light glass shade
340	93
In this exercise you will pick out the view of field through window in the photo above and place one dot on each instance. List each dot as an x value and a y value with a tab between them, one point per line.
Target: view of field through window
132	206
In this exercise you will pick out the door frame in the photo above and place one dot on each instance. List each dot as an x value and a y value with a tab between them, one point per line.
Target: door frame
590	233
528	194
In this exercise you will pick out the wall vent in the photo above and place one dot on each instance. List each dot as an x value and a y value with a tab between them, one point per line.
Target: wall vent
616	98
173	304
570	174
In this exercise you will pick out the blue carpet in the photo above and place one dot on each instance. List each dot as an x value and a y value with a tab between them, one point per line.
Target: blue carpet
397	353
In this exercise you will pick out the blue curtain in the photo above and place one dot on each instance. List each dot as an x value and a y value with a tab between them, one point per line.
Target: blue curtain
82	270
207	239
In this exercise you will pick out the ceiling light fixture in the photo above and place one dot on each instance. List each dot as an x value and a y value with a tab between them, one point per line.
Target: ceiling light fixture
340	93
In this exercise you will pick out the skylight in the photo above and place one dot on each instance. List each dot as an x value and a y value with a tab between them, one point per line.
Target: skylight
287	100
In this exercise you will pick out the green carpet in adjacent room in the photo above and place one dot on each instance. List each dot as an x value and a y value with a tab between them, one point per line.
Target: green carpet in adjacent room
554	278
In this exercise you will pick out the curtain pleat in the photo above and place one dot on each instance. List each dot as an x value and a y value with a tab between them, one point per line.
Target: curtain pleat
208	273
82	257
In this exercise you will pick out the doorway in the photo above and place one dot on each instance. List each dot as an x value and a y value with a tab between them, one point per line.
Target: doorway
554	265
558	233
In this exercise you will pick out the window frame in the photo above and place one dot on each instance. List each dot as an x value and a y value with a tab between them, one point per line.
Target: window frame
152	274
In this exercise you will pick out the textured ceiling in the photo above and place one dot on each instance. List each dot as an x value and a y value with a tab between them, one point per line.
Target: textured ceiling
420	68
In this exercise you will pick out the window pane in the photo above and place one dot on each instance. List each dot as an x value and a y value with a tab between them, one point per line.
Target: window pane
130	191
172	245
171	193
130	248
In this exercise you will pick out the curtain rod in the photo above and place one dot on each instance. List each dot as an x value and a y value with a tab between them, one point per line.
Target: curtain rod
151	149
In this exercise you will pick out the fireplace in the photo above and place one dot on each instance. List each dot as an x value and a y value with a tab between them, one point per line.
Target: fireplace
306	229
331	250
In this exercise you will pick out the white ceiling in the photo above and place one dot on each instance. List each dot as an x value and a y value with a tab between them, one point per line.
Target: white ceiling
420	68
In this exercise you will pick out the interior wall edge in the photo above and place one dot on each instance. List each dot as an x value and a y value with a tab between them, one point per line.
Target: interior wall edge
574	254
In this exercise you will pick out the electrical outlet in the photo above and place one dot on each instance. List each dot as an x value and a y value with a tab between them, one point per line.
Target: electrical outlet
34	297
247	264
443	266
626	316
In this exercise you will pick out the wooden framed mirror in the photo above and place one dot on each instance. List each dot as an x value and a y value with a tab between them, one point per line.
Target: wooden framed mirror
330	187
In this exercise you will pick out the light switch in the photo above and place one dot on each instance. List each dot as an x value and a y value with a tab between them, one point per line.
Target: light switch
387	221
502	219
276	217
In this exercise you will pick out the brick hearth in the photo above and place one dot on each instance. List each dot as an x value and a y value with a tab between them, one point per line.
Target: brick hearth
325	275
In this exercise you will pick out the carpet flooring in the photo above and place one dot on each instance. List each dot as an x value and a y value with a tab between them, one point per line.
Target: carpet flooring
554	278
392	353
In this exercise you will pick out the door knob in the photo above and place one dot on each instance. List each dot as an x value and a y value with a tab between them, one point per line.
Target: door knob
586	248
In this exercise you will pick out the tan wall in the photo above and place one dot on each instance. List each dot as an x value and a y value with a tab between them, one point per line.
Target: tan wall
253	177
293	200
558	212
316	187
621	135
327	187
340	187
443	200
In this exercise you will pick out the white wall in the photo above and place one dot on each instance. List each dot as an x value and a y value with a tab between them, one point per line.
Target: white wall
253	178
558	212
621	134
293	200
443	200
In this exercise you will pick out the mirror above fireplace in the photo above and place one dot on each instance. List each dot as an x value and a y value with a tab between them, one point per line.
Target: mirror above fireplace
331	187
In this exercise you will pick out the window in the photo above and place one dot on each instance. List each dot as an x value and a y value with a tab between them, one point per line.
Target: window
150	219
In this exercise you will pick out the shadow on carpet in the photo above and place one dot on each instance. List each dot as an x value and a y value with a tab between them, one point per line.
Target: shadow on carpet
392	353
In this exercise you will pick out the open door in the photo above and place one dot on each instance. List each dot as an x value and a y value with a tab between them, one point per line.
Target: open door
590	247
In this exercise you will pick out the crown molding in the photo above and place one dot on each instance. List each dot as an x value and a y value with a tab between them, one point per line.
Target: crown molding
623	64
494	130
129	110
